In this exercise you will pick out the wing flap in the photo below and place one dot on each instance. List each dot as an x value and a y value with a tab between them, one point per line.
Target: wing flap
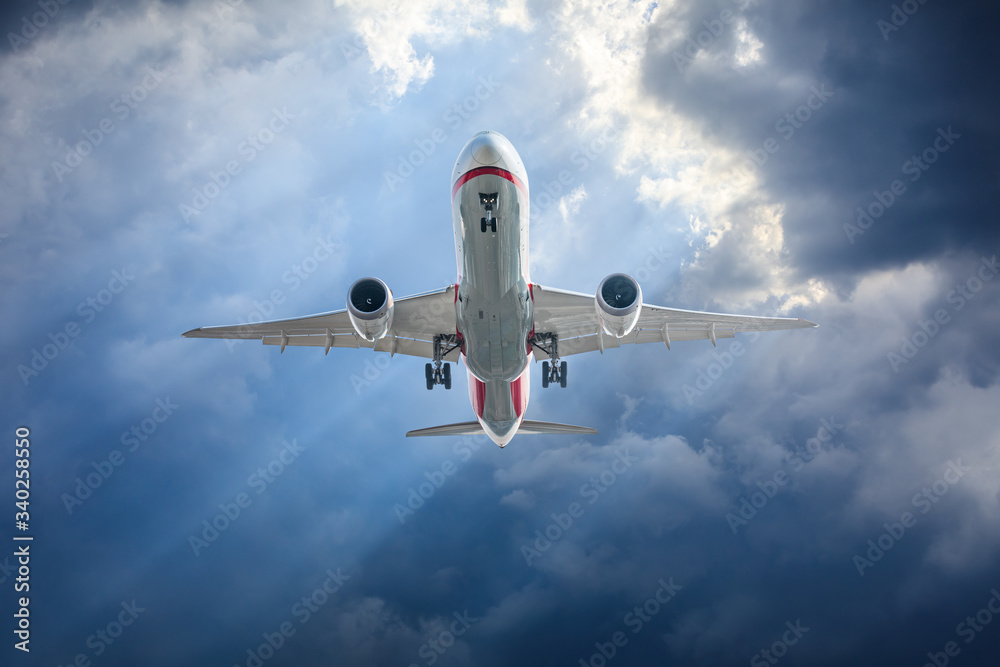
407	346
339	340
336	322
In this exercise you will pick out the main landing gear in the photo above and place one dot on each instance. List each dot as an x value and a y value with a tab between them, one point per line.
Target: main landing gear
438	372
438	375
555	371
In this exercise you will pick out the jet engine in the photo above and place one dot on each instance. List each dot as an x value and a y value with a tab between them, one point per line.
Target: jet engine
369	305
618	303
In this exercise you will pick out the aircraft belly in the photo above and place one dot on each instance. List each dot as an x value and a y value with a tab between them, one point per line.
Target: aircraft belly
496	346
492	263
493	309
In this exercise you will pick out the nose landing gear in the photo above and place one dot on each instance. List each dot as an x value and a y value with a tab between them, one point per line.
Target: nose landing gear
488	221
488	200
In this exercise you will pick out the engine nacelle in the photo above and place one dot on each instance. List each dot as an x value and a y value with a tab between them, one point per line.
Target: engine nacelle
618	303
369	305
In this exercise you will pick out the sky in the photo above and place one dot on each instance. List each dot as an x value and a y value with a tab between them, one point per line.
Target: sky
815	497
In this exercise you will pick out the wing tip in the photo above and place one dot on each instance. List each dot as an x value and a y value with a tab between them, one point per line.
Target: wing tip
808	323
193	333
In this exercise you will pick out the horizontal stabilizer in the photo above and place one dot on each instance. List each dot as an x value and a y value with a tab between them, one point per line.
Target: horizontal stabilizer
463	428
527	427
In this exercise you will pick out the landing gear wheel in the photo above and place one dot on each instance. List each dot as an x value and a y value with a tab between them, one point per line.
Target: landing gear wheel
439	372
553	370
482	224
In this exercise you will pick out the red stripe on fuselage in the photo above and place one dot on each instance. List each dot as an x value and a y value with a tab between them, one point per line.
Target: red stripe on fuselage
515	395
478	395
488	171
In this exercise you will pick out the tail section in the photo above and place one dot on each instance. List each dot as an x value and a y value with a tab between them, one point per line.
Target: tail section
527	427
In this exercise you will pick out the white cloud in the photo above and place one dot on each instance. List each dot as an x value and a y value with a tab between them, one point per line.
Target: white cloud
676	163
515	13
519	499
748	50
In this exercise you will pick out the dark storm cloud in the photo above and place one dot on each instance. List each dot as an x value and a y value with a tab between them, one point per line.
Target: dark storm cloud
889	93
23	20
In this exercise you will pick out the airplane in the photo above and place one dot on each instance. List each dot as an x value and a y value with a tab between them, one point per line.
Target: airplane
493	317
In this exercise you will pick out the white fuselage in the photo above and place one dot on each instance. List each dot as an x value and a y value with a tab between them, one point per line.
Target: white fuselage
493	305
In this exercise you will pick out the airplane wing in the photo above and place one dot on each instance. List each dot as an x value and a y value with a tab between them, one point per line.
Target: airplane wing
572	317
415	321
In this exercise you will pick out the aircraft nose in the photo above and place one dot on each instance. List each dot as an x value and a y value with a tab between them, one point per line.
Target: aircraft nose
486	150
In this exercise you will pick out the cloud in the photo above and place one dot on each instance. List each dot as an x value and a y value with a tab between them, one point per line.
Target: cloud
724	183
